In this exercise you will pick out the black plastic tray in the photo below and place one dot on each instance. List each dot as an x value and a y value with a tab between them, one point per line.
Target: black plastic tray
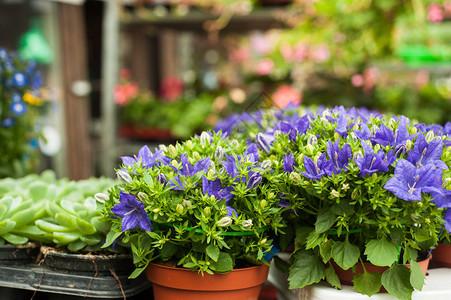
42	279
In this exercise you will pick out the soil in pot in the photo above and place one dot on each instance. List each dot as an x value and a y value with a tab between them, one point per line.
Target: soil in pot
177	283
346	276
441	256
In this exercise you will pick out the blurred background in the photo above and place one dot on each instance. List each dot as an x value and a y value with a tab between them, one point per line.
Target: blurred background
83	82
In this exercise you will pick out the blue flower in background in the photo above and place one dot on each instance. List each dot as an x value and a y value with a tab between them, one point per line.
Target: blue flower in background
339	158
425	153
288	163
315	170
409	181
19	79
16	98
132	213
8	122
18	108
37	80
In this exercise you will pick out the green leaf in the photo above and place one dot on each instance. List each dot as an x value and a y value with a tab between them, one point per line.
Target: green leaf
396	281
421	235
76	246
306	269
345	254
301	235
148	179
15	239
332	278
281	264
213	252
325	220
367	283
38	190
325	249
416	276
85	227
314	239
6	226
381	252
111	237
137	272
224	263
168	250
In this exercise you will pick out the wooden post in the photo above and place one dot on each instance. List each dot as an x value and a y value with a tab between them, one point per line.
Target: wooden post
76	107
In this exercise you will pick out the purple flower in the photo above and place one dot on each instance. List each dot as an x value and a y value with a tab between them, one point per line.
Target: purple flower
424	153
288	163
19	79
447	128
447	218
315	170
213	188
230	166
371	162
264	141
251	153
385	136
132	213
231	212
253	180
188	170
295	128
161	178
339	158
442	199
18	108
145	156
364	133
409	181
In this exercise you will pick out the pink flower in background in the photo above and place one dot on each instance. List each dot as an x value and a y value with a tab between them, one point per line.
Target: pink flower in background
320	53
124	93
171	88
260	43
422	79
286	94
357	80
287	52
435	13
447	7
125	74
239	54
370	76
300	52
264	67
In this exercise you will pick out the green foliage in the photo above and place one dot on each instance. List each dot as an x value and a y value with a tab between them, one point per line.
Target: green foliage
367	283
306	269
396	281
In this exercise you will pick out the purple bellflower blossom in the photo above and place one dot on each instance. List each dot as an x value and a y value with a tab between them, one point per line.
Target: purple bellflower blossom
288	163
397	139
339	158
371	162
442	199
409	182
447	218
145	156
424	153
253	180
264	141
293	129
231	212
132	213
364	133
213	188
188	170
315	170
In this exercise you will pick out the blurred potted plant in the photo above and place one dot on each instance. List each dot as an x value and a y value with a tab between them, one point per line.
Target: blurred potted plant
200	209
20	105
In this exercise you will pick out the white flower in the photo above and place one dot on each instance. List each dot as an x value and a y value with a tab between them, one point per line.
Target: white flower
101	197
224	222
247	224
335	194
345	186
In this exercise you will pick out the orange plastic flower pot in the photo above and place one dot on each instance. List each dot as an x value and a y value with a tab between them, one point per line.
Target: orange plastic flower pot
176	283
442	256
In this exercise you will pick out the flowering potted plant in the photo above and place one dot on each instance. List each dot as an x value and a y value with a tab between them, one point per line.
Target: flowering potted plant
364	189
202	206
20	104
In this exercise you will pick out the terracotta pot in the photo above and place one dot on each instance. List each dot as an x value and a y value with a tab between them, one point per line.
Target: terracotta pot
346	276
176	283
442	256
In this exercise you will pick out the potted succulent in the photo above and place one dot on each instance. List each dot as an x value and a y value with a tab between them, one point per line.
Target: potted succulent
200	209
363	189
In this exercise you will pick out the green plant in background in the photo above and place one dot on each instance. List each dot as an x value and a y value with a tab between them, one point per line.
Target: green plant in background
20	105
58	213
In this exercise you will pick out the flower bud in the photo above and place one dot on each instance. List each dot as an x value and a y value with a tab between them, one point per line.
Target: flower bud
156	210
263	142
358	154
247	224
310	149
161	178
377	147
345	187
222	171
210	174
254	180
409	145
219	154
263	241
430	136
374	129
191	160
336	135
212	166
174	163
187	203
271	195
172	150
189	144
312	140
101	197
266	164
163	147
391	123
125	177
143	196
235	143
207	211
413	130
295	177
335	194
300	159
204	139
263	203
353	136
179	208
355	194
224	222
